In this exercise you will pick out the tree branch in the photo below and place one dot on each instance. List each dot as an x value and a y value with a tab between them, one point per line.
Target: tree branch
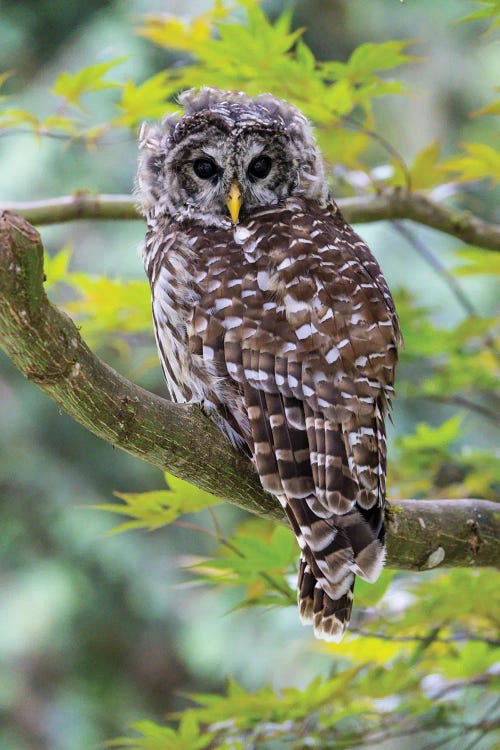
46	346
389	204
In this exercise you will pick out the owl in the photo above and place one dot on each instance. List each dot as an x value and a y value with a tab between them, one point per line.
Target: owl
271	313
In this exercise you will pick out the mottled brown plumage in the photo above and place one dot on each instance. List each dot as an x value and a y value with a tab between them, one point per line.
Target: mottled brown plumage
281	326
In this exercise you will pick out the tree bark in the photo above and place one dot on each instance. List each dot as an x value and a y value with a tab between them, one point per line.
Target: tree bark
45	345
386	205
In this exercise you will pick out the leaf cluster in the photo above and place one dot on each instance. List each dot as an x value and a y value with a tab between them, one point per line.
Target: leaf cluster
376	694
239	47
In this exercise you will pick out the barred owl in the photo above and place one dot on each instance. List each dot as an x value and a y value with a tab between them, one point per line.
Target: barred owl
271	312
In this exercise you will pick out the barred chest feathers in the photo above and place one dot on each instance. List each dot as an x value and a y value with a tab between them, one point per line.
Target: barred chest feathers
167	263
277	302
178	275
271	312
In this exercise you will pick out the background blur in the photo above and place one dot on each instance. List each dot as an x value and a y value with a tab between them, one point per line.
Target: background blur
98	631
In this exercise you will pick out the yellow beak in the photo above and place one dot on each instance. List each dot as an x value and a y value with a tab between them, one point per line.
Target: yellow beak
234	201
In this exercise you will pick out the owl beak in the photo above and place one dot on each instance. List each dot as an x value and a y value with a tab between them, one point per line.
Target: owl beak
234	201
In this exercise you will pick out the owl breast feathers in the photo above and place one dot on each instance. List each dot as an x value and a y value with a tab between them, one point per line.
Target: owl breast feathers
271	311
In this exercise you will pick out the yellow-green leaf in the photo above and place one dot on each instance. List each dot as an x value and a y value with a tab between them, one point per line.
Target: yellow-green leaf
477	261
91	78
56	267
490	109
15	116
172	33
368	594
147	100
423	173
151	510
479	162
490	10
371	57
109	306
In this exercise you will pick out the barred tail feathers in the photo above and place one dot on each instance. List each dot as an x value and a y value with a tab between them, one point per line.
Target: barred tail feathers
333	552
335	546
329	617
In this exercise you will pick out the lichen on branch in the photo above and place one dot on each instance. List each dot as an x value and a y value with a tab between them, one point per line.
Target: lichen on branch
45	345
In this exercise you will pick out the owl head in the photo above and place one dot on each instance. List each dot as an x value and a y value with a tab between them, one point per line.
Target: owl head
226	156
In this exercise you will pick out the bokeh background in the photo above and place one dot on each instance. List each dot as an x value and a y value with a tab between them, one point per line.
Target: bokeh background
97	631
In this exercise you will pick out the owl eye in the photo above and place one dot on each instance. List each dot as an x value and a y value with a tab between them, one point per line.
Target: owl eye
259	167
205	168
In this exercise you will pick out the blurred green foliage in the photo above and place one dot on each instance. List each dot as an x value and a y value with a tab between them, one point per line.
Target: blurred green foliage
157	508
420	666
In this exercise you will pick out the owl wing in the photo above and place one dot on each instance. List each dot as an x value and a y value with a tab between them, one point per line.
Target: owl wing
298	315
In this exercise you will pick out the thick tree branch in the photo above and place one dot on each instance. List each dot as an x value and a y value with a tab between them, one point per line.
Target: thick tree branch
390	204
47	347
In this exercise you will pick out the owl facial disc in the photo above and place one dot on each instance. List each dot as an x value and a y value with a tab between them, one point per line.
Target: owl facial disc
227	156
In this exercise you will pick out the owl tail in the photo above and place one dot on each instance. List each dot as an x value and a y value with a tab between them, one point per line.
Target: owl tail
329	617
333	552
336	544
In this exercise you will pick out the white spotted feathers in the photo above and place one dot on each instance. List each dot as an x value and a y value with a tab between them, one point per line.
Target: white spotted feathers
284	328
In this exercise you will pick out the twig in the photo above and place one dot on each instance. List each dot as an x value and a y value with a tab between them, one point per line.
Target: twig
354	124
70	138
424	639
480	680
421	248
81	204
435	744
479	726
458	400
